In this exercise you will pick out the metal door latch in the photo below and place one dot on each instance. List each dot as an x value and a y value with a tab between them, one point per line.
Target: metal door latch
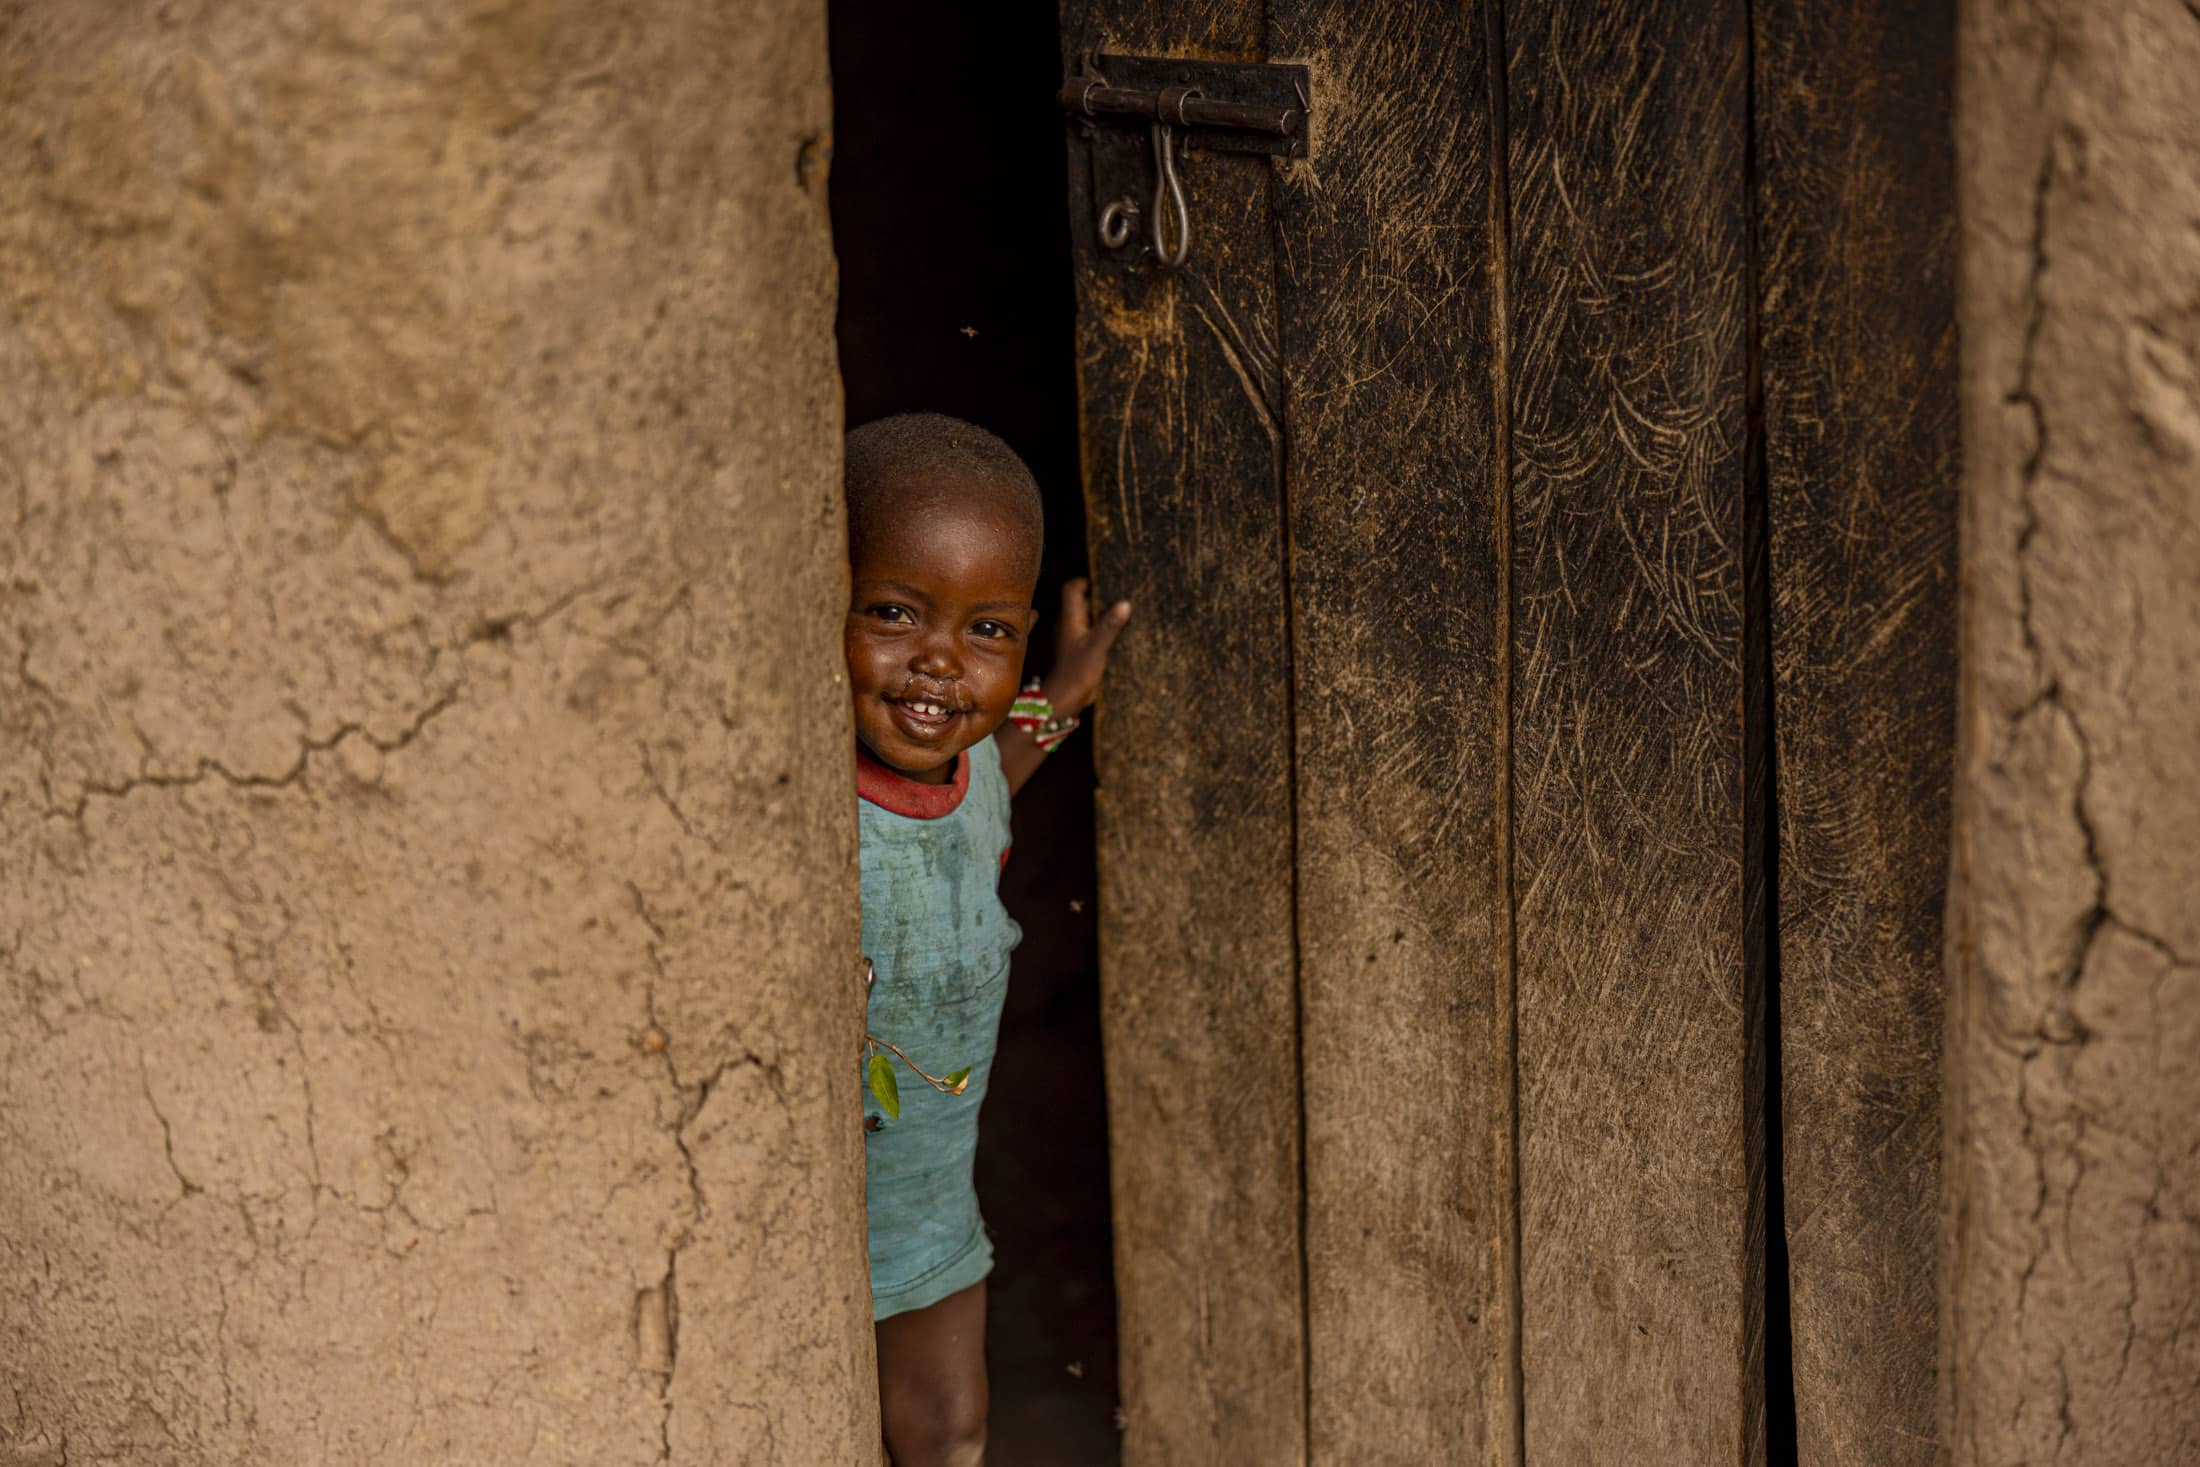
1184	106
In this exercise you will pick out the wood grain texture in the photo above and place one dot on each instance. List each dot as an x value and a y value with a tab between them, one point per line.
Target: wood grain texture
2072	1324
1642	1322
1383	296
1857	213
1178	381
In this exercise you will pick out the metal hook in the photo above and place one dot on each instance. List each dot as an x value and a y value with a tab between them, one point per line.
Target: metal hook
1117	221
1168	192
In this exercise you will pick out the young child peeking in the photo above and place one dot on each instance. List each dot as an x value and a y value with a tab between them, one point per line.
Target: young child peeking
944	535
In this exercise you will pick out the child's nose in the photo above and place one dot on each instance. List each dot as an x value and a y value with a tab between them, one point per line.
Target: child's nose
936	658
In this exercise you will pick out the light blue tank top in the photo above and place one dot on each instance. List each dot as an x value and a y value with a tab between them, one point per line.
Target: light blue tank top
939	939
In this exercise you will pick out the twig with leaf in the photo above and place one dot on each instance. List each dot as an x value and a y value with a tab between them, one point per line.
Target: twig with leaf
880	1071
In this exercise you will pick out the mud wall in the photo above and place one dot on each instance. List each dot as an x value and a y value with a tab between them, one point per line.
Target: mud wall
427	919
2071	1327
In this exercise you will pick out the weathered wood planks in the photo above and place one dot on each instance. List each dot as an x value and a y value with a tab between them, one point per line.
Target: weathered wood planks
1177	374
1640	1233
1857	218
1382	289
1532	700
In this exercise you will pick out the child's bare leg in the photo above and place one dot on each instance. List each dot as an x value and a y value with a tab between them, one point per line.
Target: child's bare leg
931	1382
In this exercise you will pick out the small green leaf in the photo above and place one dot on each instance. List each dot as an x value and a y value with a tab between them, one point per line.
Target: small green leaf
885	1086
959	1081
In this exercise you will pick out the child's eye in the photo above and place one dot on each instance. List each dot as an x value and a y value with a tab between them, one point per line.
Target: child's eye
994	629
890	613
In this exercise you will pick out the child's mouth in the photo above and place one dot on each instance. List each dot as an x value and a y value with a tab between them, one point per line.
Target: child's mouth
922	719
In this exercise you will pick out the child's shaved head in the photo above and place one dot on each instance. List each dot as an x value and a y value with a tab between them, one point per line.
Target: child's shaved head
915	461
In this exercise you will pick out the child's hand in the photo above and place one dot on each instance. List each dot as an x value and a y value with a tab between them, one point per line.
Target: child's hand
1081	648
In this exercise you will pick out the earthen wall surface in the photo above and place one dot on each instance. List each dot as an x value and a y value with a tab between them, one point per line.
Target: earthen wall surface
427	913
2071	1252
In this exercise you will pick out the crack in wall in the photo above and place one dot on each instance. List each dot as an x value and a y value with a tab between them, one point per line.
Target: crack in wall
2051	1105
492	629
206	769
656	1314
665	797
275	1013
167	1132
2021	393
694	1098
669	1308
2048	692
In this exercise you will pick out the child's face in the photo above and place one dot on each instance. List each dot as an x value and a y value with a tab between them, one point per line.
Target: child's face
936	630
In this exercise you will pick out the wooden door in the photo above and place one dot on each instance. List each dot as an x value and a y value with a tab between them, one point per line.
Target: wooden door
1438	812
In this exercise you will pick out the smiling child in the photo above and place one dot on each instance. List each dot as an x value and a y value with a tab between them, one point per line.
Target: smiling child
944	538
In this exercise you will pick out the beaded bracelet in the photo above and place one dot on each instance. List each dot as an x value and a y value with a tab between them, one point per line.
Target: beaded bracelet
1033	712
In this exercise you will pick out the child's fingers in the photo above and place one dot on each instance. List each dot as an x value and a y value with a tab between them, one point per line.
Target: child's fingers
1076	603
1081	656
1103	636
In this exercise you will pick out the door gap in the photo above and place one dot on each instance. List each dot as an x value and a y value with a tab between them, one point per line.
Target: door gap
946	185
1763	1124
1509	1430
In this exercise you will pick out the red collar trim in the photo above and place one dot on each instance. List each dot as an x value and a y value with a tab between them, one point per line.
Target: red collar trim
894	791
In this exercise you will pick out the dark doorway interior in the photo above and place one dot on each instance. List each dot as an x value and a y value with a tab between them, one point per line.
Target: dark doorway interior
950	222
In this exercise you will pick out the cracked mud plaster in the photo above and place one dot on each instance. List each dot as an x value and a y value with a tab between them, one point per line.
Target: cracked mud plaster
427	923
2071	1331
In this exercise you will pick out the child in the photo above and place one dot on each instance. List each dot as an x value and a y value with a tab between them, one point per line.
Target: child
944	535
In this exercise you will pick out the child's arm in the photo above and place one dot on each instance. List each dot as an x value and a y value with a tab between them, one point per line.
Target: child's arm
1080	656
